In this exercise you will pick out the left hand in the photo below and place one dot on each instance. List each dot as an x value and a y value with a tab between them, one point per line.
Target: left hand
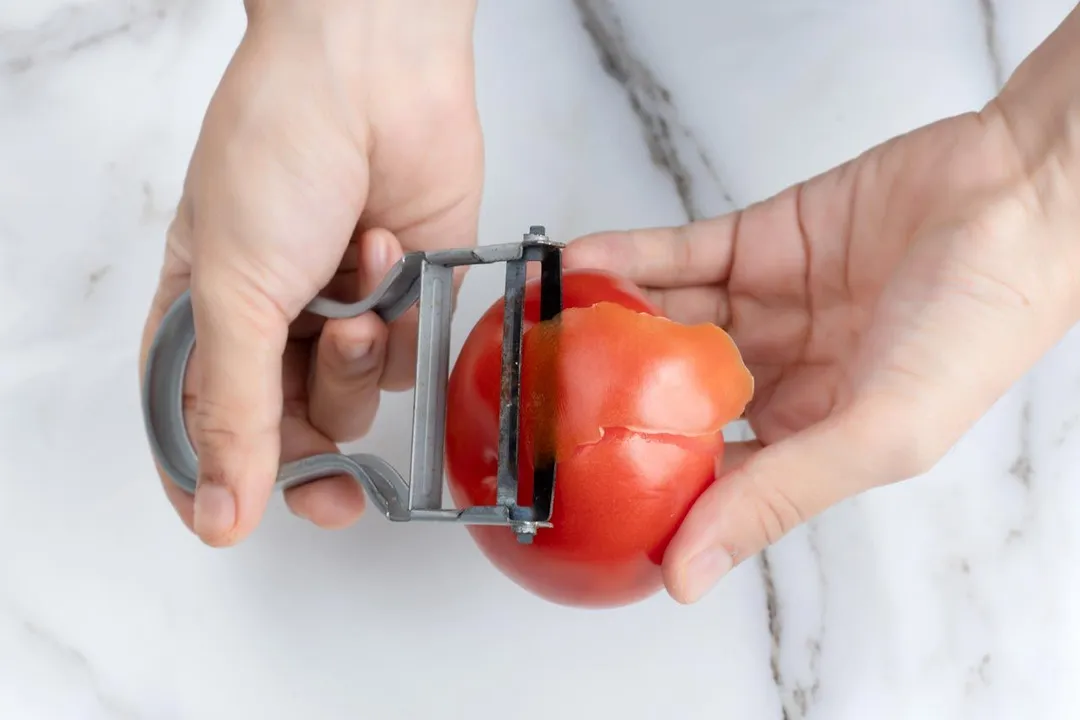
882	307
342	133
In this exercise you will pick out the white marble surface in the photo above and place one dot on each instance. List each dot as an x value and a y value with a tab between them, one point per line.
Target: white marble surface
956	595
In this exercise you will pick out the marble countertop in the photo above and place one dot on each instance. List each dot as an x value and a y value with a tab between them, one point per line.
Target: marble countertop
955	595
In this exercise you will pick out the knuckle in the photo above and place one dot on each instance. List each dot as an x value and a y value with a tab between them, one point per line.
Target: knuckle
683	249
213	433
215	475
189	406
774	510
345	375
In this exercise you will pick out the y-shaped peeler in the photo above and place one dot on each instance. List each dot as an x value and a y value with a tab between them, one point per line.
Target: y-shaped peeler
418	277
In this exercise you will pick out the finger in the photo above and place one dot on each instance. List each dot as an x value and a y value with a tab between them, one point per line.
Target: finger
236	429
174	280
700	253
351	352
344	287
344	394
687	305
345	384
350	261
693	305
762	496
181	500
736	454
331	503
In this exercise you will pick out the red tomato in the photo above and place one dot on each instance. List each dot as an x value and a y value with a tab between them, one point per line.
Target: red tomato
638	404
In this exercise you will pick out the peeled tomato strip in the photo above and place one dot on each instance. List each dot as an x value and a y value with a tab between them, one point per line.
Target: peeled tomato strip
606	366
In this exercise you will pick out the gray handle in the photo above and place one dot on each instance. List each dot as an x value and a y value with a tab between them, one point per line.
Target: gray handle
163	411
418	277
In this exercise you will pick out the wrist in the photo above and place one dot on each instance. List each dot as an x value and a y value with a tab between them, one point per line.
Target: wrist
411	33
418	11
1038	111
1040	106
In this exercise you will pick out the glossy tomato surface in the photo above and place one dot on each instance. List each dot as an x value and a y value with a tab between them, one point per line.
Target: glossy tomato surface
634	406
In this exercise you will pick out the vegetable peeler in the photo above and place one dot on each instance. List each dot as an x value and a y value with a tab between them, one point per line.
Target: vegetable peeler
425	279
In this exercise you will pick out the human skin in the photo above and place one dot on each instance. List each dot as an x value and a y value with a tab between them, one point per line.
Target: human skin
870	302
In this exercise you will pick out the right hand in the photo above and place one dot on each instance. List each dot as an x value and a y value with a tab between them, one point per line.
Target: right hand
336	122
882	307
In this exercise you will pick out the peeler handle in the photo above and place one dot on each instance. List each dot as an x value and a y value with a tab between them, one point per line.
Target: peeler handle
163	386
163	411
423	278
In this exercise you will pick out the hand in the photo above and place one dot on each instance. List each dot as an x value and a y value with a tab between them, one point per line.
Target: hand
334	124
882	308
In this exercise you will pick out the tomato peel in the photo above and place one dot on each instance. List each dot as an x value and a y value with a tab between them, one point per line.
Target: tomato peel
697	364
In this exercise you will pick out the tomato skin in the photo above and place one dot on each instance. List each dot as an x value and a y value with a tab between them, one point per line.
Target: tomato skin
637	435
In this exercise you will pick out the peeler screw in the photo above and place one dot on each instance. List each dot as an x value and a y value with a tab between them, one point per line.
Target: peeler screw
537	230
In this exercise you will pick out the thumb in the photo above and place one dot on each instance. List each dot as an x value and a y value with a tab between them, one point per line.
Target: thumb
764	498
241	335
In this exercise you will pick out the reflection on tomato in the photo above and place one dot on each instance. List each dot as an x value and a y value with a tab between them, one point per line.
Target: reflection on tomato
638	404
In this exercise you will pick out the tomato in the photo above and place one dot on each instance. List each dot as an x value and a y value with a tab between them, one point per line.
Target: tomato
638	404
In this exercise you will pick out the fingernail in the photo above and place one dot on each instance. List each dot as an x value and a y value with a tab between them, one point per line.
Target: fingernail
378	252
215	511
355	351
705	570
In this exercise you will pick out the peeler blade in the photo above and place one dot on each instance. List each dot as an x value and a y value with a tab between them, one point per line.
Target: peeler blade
538	513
